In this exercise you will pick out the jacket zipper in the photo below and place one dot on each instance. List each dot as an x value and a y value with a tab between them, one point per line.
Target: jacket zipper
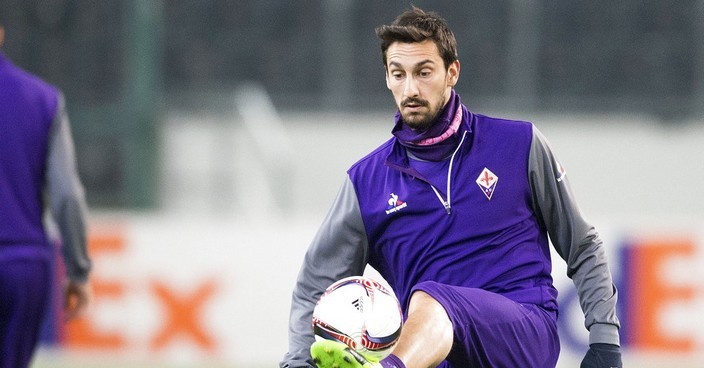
447	203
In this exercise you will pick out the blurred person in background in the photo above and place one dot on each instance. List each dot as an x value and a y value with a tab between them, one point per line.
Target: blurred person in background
37	173
454	211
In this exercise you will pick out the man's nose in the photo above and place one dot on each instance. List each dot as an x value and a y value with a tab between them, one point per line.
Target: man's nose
410	87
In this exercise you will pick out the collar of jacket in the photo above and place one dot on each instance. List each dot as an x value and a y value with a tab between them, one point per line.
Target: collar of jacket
398	158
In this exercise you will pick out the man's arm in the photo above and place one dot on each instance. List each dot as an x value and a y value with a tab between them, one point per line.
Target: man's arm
68	207
575	240
338	250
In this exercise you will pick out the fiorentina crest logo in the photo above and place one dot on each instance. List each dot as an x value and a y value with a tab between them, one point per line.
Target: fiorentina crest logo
487	182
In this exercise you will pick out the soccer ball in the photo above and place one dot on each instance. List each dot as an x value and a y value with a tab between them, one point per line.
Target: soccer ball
361	313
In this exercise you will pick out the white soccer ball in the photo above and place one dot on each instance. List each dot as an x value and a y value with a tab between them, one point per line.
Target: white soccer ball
361	313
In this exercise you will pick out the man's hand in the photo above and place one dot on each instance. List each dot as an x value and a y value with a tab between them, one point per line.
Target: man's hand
77	297
602	356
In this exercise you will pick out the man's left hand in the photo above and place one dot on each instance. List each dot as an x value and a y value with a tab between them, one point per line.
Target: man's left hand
77	297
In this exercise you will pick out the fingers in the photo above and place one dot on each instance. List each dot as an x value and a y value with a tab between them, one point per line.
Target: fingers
76	301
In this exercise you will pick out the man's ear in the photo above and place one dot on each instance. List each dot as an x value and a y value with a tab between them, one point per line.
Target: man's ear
453	73
386	74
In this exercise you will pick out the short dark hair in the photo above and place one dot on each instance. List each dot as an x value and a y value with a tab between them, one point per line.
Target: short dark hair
416	25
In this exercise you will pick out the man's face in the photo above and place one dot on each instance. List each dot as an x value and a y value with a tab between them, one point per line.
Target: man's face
416	75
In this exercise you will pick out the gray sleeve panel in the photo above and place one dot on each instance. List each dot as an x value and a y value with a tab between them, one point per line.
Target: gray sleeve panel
338	250
66	196
575	240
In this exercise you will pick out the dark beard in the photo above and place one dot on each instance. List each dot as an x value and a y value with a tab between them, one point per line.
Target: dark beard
421	122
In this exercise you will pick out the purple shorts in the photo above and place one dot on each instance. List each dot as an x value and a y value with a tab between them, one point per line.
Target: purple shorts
25	281
491	330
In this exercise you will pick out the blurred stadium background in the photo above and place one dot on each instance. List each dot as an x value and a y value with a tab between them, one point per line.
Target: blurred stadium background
212	136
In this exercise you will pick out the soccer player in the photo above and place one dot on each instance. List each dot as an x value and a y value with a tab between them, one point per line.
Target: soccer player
37	171
454	211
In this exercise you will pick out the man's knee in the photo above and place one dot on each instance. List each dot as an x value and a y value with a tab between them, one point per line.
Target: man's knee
428	324
426	306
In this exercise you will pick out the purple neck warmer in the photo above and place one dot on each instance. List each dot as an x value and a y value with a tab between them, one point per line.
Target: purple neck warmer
438	142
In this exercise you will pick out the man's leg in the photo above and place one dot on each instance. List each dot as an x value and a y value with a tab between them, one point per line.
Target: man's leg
490	330
464	327
24	288
427	335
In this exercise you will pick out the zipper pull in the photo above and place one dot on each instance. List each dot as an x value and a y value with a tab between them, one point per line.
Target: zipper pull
447	207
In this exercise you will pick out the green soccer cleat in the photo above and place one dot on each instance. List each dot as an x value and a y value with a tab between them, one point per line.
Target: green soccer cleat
333	354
